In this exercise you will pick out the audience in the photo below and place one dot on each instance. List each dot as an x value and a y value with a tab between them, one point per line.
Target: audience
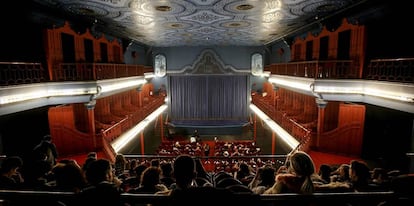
100	182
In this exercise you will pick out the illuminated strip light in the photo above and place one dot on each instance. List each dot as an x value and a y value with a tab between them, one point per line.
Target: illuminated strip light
291	141
121	85
125	138
389	95
44	93
365	91
305	85
149	75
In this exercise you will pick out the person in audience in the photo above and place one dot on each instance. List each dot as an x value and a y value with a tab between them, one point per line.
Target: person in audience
296	176
380	178
341	174
102	188
37	175
360	175
134	181
91	156
150	182
200	170
206	149
120	166
244	172
131	167
155	163
68	176
166	174
184	171
46	150
325	171
10	177
263	180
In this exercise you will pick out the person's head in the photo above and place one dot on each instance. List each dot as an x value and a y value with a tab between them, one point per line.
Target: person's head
166	169
47	138
325	172
98	171
184	170
150	177
155	162
11	165
92	155
68	176
301	164
359	172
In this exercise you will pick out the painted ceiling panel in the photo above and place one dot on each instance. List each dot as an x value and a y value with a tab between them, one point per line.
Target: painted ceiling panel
167	23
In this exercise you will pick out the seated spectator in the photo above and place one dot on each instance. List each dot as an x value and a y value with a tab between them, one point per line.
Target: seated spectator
341	174
134	181
68	176
184	171
101	189
360	176
166	174
244	173
10	178
263	180
296	176
325	173
150	182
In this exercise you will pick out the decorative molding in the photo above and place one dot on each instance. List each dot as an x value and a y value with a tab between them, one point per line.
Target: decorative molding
208	62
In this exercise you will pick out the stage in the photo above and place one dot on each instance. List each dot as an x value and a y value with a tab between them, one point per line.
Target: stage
209	127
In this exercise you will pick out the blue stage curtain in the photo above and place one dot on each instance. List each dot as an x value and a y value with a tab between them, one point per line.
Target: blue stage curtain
208	97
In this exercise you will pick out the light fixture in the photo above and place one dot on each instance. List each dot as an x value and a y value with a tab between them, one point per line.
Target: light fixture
126	137
285	136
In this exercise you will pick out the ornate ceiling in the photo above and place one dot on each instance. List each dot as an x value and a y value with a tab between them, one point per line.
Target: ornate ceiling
166	23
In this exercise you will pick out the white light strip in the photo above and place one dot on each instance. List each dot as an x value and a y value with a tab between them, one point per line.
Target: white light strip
121	85
386	90
389	95
302	85
285	136
44	93
126	137
367	91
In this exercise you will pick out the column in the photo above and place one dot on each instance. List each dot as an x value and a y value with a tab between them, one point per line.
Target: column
90	106
321	118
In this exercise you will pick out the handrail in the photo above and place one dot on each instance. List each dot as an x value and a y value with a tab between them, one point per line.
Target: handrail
292	198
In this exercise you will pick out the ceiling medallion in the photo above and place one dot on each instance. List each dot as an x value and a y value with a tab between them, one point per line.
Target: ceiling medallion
176	25
163	8
244	7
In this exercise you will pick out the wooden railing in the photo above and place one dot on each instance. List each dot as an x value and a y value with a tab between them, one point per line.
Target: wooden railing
395	70
12	73
301	133
95	71
134	118
328	69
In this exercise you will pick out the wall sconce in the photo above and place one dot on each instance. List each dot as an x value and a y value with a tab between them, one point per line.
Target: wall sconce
257	64
160	65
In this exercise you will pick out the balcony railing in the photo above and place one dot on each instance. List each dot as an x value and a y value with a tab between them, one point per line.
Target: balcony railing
14	73
396	70
329	69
